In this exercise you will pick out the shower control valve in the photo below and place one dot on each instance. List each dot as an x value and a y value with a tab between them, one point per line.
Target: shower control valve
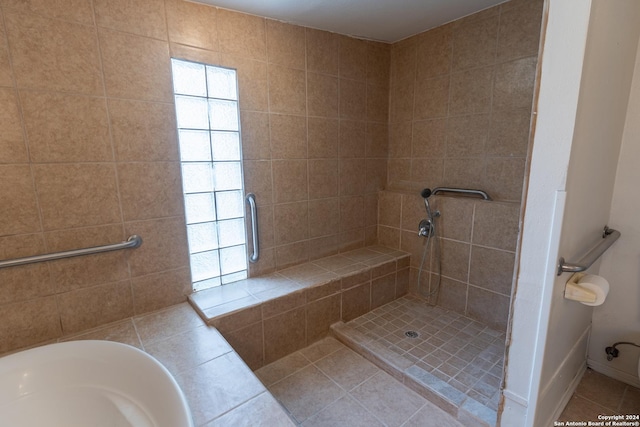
425	228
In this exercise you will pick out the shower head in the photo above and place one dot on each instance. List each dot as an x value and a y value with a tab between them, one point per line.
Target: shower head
425	195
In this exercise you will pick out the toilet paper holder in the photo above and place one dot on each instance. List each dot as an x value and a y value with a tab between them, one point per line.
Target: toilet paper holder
575	292
609	236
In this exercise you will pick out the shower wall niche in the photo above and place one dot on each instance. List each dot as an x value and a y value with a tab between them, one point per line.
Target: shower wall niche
460	113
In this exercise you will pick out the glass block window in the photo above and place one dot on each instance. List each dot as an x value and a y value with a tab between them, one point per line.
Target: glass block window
206	99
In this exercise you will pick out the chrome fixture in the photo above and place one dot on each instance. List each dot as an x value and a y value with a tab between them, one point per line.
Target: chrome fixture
251	199
132	242
609	236
480	193
427	228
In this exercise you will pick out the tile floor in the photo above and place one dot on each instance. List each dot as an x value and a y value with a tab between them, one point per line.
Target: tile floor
328	384
458	350
598	394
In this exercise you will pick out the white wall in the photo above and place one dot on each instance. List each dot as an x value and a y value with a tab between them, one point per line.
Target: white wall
619	318
602	109
584	90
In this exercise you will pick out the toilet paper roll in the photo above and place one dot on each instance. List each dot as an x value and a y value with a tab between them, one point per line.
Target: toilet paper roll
596	284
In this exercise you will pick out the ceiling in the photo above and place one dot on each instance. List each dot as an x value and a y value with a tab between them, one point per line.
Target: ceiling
382	20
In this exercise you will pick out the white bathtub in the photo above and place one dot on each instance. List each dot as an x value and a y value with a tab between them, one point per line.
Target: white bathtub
89	384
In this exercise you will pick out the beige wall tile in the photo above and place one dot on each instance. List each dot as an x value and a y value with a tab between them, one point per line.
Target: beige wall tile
520	31
160	290
324	217
351	213
12	144
371	209
6	75
375	175
258	180
463	172
292	254
452	294
401	101
136	67
400	135
352	177
353	99
122	332
471	91
66	128
413	211
248	342
19	211
150	190
351	239
164	246
322	51
352	138
142	17
81	272
190	53
288	136
143	131
455	259
192	24
429	138
383	290
389	237
432	98
504	177
321	314
322	95
513	87
356	301
398	171
284	334
377	103
427	170
285	44
27	281
456	219
241	34
489	308
474	43
323	178
287	90
72	10
509	133
322	137
87	308
492	269
255	135
291	222
404	57
389	209
434	52
75	195
323	246
467	135
28	323
290	180
377	140
252	82
53	55
353	58
378	64
491	216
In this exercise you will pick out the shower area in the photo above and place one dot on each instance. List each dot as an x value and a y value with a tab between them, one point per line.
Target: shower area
461	99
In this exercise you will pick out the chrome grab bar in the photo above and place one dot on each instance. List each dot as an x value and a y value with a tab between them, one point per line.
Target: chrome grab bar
251	199
133	241
480	193
609	236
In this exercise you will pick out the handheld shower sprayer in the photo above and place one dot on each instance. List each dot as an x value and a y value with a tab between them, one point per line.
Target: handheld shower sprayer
426	193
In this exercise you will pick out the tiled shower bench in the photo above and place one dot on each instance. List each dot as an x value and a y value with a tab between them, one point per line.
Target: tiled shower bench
268	317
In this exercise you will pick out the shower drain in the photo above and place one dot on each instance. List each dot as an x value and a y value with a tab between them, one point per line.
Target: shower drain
412	334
